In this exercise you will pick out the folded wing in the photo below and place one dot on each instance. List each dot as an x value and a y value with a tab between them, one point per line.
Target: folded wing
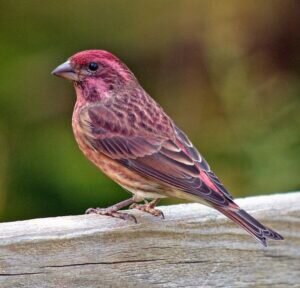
169	158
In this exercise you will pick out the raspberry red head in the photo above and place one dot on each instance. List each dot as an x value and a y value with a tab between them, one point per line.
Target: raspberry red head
88	56
95	69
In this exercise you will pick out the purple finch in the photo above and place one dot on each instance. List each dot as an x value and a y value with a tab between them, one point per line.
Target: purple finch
126	134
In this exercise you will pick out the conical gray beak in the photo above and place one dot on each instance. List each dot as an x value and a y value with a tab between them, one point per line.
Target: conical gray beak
66	71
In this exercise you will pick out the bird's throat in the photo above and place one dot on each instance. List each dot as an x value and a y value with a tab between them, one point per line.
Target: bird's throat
92	91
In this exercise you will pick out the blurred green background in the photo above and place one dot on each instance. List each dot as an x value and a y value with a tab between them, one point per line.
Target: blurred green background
226	71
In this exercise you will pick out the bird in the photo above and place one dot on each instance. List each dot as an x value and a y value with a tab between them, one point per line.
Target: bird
128	135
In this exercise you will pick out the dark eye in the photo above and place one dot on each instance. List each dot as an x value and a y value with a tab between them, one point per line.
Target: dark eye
93	66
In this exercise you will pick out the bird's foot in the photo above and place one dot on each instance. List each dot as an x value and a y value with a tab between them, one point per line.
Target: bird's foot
149	208
111	212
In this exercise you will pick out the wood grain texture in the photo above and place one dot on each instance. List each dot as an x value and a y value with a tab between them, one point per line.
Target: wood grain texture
194	246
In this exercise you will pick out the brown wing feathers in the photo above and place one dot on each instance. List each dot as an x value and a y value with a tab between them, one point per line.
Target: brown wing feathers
167	157
151	154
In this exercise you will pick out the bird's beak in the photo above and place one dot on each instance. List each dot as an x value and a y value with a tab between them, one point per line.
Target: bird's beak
66	71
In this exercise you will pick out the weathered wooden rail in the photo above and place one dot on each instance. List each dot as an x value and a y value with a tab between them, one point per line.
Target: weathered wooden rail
193	247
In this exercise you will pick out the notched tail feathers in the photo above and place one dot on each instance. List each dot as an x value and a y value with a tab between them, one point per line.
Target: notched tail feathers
251	225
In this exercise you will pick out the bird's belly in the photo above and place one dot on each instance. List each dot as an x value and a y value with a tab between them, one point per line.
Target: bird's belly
141	186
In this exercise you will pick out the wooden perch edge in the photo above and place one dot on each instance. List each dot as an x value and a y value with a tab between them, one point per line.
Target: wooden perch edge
194	246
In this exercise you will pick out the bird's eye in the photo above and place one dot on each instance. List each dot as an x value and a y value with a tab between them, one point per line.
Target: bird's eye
93	66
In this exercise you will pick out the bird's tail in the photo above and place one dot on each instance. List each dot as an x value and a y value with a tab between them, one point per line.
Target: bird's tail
251	225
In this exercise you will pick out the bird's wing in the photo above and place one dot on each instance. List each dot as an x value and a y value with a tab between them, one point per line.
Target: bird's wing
189	148
105	131
168	158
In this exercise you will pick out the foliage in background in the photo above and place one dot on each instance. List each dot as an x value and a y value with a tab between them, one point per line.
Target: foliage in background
226	71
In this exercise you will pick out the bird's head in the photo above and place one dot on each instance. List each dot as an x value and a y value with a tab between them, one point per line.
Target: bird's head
95	73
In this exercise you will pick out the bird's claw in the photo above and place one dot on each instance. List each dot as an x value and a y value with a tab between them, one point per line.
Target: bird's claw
148	208
111	213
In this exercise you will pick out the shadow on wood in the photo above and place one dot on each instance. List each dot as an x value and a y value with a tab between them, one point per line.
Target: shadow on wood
194	246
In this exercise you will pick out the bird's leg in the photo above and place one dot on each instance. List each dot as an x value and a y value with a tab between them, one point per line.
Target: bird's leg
149	207
113	210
